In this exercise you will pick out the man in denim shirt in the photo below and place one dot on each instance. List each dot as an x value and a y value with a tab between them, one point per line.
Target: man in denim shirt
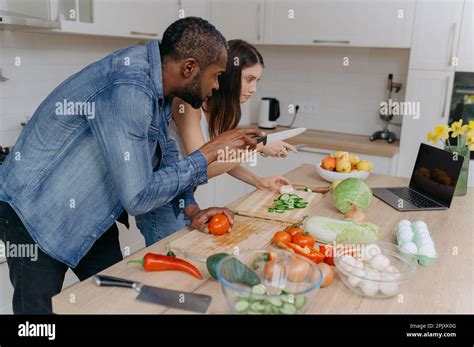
98	144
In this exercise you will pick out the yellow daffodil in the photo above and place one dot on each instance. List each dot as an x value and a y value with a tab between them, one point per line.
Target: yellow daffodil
458	129
441	131
432	137
470	139
471	125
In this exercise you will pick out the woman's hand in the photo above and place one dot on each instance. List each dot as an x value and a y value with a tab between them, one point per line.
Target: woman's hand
278	149
272	183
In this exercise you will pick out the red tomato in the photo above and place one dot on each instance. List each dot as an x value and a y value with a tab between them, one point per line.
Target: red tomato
219	224
294	230
281	236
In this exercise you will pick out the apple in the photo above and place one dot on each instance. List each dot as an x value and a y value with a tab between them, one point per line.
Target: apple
365	165
353	158
343	165
340	154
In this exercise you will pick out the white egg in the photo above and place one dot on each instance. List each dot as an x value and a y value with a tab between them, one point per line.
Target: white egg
369	288
426	243
410	248
389	288
379	262
421	224
353	279
347	262
405	235
428	251
425	237
370	251
372	275
404	222
391	273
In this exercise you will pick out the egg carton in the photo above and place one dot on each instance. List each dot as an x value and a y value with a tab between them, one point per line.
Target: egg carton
403	239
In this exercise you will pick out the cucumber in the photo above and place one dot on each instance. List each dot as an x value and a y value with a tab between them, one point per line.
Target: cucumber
211	263
236	271
241	306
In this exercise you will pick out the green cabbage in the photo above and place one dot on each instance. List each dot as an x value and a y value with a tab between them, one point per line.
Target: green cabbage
352	192
342	231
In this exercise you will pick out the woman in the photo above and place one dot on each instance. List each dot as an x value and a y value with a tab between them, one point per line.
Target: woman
191	128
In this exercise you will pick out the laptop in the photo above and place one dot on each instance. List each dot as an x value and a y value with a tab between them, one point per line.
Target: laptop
432	182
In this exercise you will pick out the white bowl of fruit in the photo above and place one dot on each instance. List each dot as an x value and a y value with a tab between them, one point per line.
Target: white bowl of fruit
341	165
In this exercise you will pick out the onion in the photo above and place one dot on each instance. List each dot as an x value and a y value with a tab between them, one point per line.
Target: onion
298	269
355	215
328	274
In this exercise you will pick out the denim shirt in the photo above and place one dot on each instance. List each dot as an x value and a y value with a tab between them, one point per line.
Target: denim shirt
75	168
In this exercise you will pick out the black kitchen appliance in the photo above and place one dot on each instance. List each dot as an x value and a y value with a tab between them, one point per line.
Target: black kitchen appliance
386	134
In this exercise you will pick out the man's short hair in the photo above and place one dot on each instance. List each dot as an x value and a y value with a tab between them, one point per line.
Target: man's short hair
192	37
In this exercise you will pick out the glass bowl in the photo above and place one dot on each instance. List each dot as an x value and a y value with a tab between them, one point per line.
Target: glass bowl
268	282
366	276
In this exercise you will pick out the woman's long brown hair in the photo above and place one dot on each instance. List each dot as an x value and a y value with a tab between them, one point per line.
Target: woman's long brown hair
224	105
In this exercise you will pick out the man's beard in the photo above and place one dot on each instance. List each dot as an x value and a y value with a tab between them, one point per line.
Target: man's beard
191	93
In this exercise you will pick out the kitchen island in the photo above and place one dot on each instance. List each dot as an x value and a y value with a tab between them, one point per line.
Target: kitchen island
445	287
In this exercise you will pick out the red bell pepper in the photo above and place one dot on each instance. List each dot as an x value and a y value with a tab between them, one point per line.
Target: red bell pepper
308	252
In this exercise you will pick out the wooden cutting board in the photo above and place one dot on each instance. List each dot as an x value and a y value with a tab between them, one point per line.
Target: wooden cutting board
257	204
247	233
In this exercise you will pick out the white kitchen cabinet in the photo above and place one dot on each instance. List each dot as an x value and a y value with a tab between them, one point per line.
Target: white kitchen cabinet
436	34
194	8
135	18
432	90
466	39
365	23
241	19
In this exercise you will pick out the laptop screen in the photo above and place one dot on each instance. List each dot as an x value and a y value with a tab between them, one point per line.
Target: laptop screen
436	173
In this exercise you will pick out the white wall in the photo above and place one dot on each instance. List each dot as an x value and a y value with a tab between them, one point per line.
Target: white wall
348	98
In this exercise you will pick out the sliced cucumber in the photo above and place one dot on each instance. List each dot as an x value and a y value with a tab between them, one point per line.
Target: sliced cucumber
276	302
257	307
241	306
259	289
299	301
288	309
284	197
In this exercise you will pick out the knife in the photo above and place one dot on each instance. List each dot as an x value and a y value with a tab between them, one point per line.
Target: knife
161	296
279	136
321	190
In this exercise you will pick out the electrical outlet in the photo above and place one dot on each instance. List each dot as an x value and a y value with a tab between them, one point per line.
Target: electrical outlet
308	108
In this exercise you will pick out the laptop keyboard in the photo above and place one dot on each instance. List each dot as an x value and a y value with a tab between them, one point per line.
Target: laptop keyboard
413	197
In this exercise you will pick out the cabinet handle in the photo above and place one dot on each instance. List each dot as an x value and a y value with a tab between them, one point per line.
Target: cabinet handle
143	34
443	111
332	41
452	36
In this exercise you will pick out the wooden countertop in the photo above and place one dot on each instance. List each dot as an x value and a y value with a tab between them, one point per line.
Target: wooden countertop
342	142
445	287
